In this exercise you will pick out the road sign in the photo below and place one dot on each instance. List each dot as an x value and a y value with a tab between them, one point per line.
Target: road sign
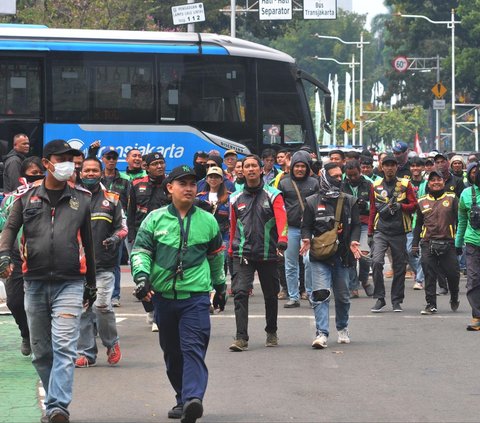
347	125
314	9
439	90
8	7
188	13
438	104
400	64
270	10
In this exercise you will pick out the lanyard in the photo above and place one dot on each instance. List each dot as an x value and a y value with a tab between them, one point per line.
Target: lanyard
183	242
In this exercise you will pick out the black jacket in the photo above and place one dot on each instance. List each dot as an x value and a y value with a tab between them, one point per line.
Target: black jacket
319	217
119	184
11	172
57	241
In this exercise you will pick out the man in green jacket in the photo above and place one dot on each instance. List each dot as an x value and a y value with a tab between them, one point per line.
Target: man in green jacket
468	232
176	260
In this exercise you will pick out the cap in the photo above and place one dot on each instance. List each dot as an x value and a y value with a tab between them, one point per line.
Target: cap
230	152
180	172
440	156
390	158
429	160
457	158
151	157
434	173
57	147
214	170
110	149
417	160
400	147
432	153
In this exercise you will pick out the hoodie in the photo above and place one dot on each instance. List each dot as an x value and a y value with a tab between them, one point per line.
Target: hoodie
306	185
11	173
465	232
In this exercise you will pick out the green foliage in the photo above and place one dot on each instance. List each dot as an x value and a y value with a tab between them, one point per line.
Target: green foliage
402	124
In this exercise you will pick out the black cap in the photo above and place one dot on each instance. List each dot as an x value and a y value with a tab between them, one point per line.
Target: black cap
434	173
180	172
57	147
390	158
440	156
152	157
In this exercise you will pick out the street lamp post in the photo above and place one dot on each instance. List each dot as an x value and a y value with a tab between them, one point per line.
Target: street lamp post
451	25
359	45
351	65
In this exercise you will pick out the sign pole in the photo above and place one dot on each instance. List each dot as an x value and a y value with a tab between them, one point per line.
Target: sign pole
353	98
191	26
437	112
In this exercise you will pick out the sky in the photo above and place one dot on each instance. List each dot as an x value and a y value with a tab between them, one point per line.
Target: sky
372	7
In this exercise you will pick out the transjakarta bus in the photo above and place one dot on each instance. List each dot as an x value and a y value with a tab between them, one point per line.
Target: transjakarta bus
175	93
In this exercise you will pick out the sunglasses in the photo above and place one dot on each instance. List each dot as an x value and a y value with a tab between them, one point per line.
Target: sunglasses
110	157
211	165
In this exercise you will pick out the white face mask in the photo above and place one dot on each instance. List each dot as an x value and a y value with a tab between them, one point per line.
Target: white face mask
63	171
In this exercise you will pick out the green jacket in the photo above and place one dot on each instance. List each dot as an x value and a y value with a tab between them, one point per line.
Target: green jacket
465	233
157	253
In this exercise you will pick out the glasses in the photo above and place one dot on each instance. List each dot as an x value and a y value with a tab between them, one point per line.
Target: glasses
397	153
211	165
110	157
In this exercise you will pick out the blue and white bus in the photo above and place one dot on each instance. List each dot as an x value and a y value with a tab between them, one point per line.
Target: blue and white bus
176	93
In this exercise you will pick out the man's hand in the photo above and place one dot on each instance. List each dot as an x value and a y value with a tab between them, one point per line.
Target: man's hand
281	247
305	247
362	204
111	242
355	249
89	295
6	266
219	299
415	251
143	291
370	241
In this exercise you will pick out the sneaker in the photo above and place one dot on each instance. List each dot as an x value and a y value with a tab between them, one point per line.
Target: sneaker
368	287
454	303
320	342
115	302
417	286
239	345
58	417
83	361
442	291
475	325
176	412
304	296
192	410
149	318
272	340
343	336
379	306
114	355
409	274
25	347
388	274
154	327
354	293
428	310
282	295
397	308
292	304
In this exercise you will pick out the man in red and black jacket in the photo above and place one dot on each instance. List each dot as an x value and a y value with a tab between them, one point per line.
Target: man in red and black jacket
258	234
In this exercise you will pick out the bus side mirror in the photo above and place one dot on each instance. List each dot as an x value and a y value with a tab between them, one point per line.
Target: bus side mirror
327	107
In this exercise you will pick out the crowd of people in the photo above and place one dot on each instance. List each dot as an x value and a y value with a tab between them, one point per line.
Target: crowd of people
308	227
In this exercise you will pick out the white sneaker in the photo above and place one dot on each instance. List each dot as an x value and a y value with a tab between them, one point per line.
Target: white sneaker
320	342
149	318
154	327
343	336
417	286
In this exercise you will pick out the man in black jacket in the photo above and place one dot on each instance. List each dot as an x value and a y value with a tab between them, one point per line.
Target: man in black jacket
58	269
330	274
109	229
13	162
296	187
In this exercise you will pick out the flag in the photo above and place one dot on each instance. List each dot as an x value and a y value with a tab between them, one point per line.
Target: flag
417	148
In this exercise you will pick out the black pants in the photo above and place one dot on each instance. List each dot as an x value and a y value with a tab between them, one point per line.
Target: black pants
243	274
433	265
473	278
398	247
281	274
15	303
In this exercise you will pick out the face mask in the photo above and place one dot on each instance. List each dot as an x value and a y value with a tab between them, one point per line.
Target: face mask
90	183
33	178
334	181
63	171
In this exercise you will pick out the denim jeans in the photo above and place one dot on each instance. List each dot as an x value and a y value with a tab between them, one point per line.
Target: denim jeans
102	313
330	277
53	312
291	263
414	262
118	273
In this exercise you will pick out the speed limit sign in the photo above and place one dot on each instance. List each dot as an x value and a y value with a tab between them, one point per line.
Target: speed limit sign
400	64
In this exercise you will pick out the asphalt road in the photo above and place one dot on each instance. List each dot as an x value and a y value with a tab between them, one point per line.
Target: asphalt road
399	367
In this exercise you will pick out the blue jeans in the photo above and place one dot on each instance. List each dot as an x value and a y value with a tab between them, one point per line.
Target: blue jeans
53	312
184	331
102	313
291	264
118	273
326	276
414	262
